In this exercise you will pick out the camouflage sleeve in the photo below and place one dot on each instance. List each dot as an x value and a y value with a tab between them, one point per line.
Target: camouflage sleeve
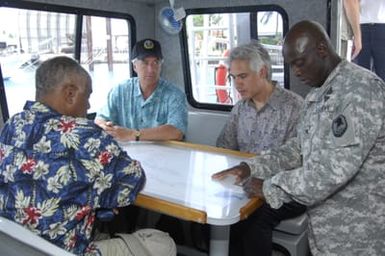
294	119
228	136
337	157
270	162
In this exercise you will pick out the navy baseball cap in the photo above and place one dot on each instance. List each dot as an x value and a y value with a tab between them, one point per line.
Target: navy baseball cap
146	48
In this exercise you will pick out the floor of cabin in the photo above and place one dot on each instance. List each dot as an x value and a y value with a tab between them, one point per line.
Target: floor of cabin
187	251
275	253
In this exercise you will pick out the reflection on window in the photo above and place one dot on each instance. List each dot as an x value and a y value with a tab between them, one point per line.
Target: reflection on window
211	36
105	54
28	37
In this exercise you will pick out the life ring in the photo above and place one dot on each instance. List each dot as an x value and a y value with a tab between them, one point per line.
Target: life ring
221	79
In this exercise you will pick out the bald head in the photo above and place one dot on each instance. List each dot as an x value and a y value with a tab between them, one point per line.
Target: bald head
306	34
308	50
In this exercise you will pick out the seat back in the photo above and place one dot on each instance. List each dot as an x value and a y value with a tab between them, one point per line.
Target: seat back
204	127
16	240
291	234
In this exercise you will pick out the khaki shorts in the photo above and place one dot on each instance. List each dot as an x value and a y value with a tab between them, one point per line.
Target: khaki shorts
144	242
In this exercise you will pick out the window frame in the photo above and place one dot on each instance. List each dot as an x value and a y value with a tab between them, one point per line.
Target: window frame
253	10
3	99
79	13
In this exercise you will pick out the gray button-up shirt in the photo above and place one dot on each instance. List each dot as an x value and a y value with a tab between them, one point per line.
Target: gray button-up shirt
252	130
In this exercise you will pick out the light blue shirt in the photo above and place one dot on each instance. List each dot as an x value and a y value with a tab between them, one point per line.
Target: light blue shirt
127	107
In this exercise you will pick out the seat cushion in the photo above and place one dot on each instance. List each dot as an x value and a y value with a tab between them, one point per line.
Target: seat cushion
17	240
293	226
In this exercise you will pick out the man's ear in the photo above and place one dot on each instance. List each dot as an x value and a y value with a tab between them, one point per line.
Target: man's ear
322	49
263	72
69	92
134	66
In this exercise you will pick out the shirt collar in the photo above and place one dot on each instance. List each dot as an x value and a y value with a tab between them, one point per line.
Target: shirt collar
138	92
318	93
273	100
37	107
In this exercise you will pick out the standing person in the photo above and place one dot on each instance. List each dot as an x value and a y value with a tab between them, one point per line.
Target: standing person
264	118
350	29
335	165
145	107
59	171
372	19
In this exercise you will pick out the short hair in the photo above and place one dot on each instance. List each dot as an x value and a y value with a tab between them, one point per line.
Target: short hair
53	72
255	53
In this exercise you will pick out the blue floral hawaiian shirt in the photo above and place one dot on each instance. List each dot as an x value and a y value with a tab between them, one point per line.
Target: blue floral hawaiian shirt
55	173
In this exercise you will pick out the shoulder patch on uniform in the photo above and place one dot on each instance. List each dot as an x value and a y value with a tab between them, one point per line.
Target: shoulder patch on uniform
339	126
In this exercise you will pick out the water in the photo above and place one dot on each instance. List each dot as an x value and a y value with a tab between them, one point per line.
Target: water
20	83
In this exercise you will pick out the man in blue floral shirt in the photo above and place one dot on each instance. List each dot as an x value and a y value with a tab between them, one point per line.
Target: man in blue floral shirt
57	169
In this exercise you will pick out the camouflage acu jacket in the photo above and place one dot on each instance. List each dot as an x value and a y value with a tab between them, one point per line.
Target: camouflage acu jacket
336	164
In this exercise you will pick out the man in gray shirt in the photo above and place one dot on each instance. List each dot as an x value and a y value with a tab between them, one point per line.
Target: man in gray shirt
267	114
266	117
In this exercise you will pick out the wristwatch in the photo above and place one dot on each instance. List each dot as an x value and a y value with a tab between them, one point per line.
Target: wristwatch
137	135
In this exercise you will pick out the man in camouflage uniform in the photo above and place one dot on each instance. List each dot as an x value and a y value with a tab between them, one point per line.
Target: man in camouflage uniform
335	165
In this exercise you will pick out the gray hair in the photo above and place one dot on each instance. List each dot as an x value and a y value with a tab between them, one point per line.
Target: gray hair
136	59
53	72
255	53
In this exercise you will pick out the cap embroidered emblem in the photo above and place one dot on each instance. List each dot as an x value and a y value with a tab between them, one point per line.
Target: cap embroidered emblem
148	44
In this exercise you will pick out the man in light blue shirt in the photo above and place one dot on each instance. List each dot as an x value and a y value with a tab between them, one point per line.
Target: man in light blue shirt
145	107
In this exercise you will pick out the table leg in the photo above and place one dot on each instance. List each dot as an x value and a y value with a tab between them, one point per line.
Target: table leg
219	240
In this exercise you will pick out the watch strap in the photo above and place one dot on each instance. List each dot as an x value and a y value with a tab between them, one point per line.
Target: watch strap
137	135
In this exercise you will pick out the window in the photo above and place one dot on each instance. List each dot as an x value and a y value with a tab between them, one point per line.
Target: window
27	43
209	37
100	42
105	54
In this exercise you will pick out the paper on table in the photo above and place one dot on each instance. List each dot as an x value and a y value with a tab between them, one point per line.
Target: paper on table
229	183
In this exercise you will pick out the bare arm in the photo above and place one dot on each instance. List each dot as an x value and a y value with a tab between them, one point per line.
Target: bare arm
352	10
163	132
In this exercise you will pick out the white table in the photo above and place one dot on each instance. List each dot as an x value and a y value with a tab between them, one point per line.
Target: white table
179	184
